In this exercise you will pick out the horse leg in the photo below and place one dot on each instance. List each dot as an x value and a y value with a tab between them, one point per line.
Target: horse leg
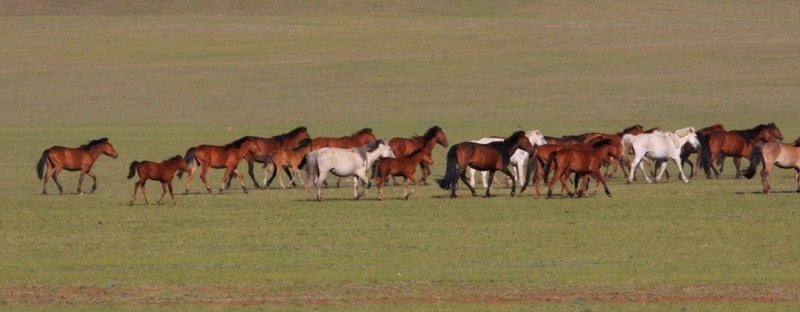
662	167
797	180
381	179
241	178
764	173
462	173
136	188
737	162
203	172
163	192
600	178
189	178
318	182
94	180
266	172
268	181
144	193
677	161
513	181
250	172
355	187
472	177
405	185
280	179
169	187
425	171
56	171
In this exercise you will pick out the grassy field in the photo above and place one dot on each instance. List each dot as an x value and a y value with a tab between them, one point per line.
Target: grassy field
159	78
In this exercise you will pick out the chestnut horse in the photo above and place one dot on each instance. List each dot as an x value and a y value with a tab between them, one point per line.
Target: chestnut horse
538	160
219	157
288	160
783	155
405	146
584	161
58	158
736	143
404	166
162	172
284	141
492	156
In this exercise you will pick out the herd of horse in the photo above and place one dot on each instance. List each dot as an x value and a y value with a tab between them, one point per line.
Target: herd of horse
534	157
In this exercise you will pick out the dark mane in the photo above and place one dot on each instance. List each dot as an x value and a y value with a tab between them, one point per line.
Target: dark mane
281	137
173	158
303	143
363	131
631	128
238	143
749	134
93	143
431	133
601	143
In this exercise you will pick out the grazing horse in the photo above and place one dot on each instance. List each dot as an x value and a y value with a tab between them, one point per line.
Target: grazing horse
583	161
736	143
288	159
284	141
659	147
219	157
344	162
404	166
58	158
162	172
405	146
518	159
492	156
783	155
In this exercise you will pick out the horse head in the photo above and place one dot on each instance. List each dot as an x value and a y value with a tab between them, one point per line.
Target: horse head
775	131
535	137
518	140
108	149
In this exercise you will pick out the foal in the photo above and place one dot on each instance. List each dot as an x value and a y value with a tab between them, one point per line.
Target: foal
405	166
289	159
162	172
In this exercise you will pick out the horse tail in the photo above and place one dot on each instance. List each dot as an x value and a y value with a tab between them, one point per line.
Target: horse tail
756	156
132	171
190	158
705	153
550	159
312	170
42	163
451	170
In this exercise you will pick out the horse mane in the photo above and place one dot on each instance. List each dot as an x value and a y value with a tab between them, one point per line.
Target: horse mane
93	143
363	131
602	143
371	147
750	134
238	143
430	134
281	137
173	158
303	143
631	128
684	131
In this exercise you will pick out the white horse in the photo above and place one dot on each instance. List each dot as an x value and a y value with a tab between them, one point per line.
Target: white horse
659	147
518	159
344	162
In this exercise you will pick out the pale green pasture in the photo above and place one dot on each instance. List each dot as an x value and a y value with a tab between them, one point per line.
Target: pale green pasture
159	84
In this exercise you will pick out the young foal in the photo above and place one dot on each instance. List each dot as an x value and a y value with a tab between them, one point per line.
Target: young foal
288	159
405	166
162	172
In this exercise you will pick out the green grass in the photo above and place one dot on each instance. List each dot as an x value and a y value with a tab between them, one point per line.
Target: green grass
157	80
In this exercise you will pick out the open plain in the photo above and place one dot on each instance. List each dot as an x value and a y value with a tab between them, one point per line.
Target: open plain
159	77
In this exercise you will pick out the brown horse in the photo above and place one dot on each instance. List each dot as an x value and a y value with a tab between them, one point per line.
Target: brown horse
783	155
218	157
405	146
492	156
162	172
736	143
360	138
687	149
291	160
284	141
404	166
583	161
81	159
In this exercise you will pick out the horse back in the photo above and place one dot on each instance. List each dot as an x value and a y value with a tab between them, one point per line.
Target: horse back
69	158
480	156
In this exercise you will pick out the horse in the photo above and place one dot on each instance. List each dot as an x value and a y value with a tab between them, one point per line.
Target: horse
736	143
492	156
288	159
583	161
518	159
659	147
344	162
404	166
405	146
284	141
783	155
357	139
57	158
162	172
219	157
538	160
687	149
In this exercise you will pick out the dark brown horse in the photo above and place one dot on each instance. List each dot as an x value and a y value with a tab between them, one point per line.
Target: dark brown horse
291	160
219	157
284	141
405	146
359	139
404	166
584	161
736	143
492	157
783	155
81	159
162	172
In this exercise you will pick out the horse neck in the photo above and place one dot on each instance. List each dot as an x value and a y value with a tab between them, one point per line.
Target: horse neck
96	151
